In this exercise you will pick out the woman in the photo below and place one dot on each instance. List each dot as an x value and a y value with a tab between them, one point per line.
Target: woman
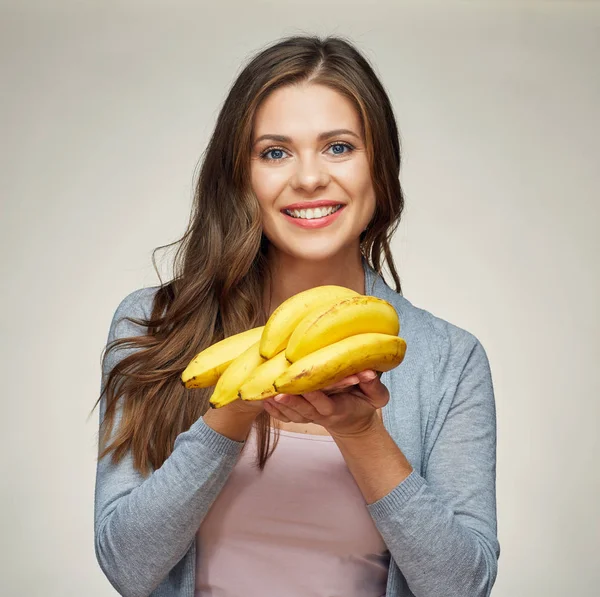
386	487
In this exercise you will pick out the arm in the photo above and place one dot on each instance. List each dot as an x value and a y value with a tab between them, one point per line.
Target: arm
144	526
375	461
440	528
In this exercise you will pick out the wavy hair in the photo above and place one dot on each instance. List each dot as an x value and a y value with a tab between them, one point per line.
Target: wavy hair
220	266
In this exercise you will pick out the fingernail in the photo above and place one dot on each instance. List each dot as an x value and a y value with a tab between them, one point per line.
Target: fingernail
370	375
282	398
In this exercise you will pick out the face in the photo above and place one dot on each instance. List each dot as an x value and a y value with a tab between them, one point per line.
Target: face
308	152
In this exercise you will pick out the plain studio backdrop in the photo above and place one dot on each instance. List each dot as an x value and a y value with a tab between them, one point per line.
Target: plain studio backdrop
105	109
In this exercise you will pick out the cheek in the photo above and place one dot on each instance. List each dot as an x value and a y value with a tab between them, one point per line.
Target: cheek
355	174
267	185
359	185
267	188
257	182
366	183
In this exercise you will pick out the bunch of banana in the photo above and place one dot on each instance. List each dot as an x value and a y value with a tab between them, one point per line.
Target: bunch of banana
370	321
312	340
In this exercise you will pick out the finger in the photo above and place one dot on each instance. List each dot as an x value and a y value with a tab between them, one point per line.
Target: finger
366	375
295	408
322	404
276	413
351	380
371	386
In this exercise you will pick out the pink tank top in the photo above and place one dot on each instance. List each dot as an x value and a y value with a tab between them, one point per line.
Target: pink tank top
298	529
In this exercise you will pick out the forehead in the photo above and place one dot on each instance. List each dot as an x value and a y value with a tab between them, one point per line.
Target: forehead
305	109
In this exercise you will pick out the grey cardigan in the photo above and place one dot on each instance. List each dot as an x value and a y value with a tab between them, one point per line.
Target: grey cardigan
439	524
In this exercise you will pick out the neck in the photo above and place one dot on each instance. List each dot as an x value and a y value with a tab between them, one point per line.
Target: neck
290	275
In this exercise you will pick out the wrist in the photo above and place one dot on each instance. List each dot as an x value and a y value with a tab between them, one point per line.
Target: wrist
230	422
367	429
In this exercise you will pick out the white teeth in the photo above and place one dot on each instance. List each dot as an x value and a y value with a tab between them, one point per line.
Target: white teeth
313	214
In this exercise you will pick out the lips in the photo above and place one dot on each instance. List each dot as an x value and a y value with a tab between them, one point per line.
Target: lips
312	204
314	222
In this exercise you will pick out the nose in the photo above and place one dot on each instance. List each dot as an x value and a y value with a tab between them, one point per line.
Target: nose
309	175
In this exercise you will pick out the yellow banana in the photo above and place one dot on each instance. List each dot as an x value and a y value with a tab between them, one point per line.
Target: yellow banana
348	317
328	365
207	366
285	318
259	384
233	377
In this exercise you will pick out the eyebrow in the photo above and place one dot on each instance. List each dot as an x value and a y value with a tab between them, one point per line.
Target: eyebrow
321	137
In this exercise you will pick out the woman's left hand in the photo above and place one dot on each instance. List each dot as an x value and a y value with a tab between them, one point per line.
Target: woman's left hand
346	413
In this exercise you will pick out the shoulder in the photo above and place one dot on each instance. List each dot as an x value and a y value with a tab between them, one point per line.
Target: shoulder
127	323
445	367
135	306
450	343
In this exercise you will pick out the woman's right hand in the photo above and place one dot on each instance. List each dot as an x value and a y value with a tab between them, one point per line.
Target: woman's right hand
235	419
245	407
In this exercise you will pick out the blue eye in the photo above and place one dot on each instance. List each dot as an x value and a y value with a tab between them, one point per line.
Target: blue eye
275	157
344	145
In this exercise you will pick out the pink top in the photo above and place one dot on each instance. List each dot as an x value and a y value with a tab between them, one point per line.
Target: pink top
298	529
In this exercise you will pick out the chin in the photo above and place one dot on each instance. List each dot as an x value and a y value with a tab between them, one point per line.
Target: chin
316	252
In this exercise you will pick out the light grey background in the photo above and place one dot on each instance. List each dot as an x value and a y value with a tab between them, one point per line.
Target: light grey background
105	108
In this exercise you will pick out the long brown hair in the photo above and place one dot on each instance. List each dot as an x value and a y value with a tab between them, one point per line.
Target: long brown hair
220	266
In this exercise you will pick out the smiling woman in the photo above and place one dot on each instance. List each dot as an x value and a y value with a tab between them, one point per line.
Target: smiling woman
379	486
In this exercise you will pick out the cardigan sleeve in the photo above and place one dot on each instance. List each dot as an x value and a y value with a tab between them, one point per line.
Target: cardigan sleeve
144	525
441	527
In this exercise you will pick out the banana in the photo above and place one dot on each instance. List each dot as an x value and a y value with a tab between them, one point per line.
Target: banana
285	318
348	317
233	377
259	384
207	366
328	365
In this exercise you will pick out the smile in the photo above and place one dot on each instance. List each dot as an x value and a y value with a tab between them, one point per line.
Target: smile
312	214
